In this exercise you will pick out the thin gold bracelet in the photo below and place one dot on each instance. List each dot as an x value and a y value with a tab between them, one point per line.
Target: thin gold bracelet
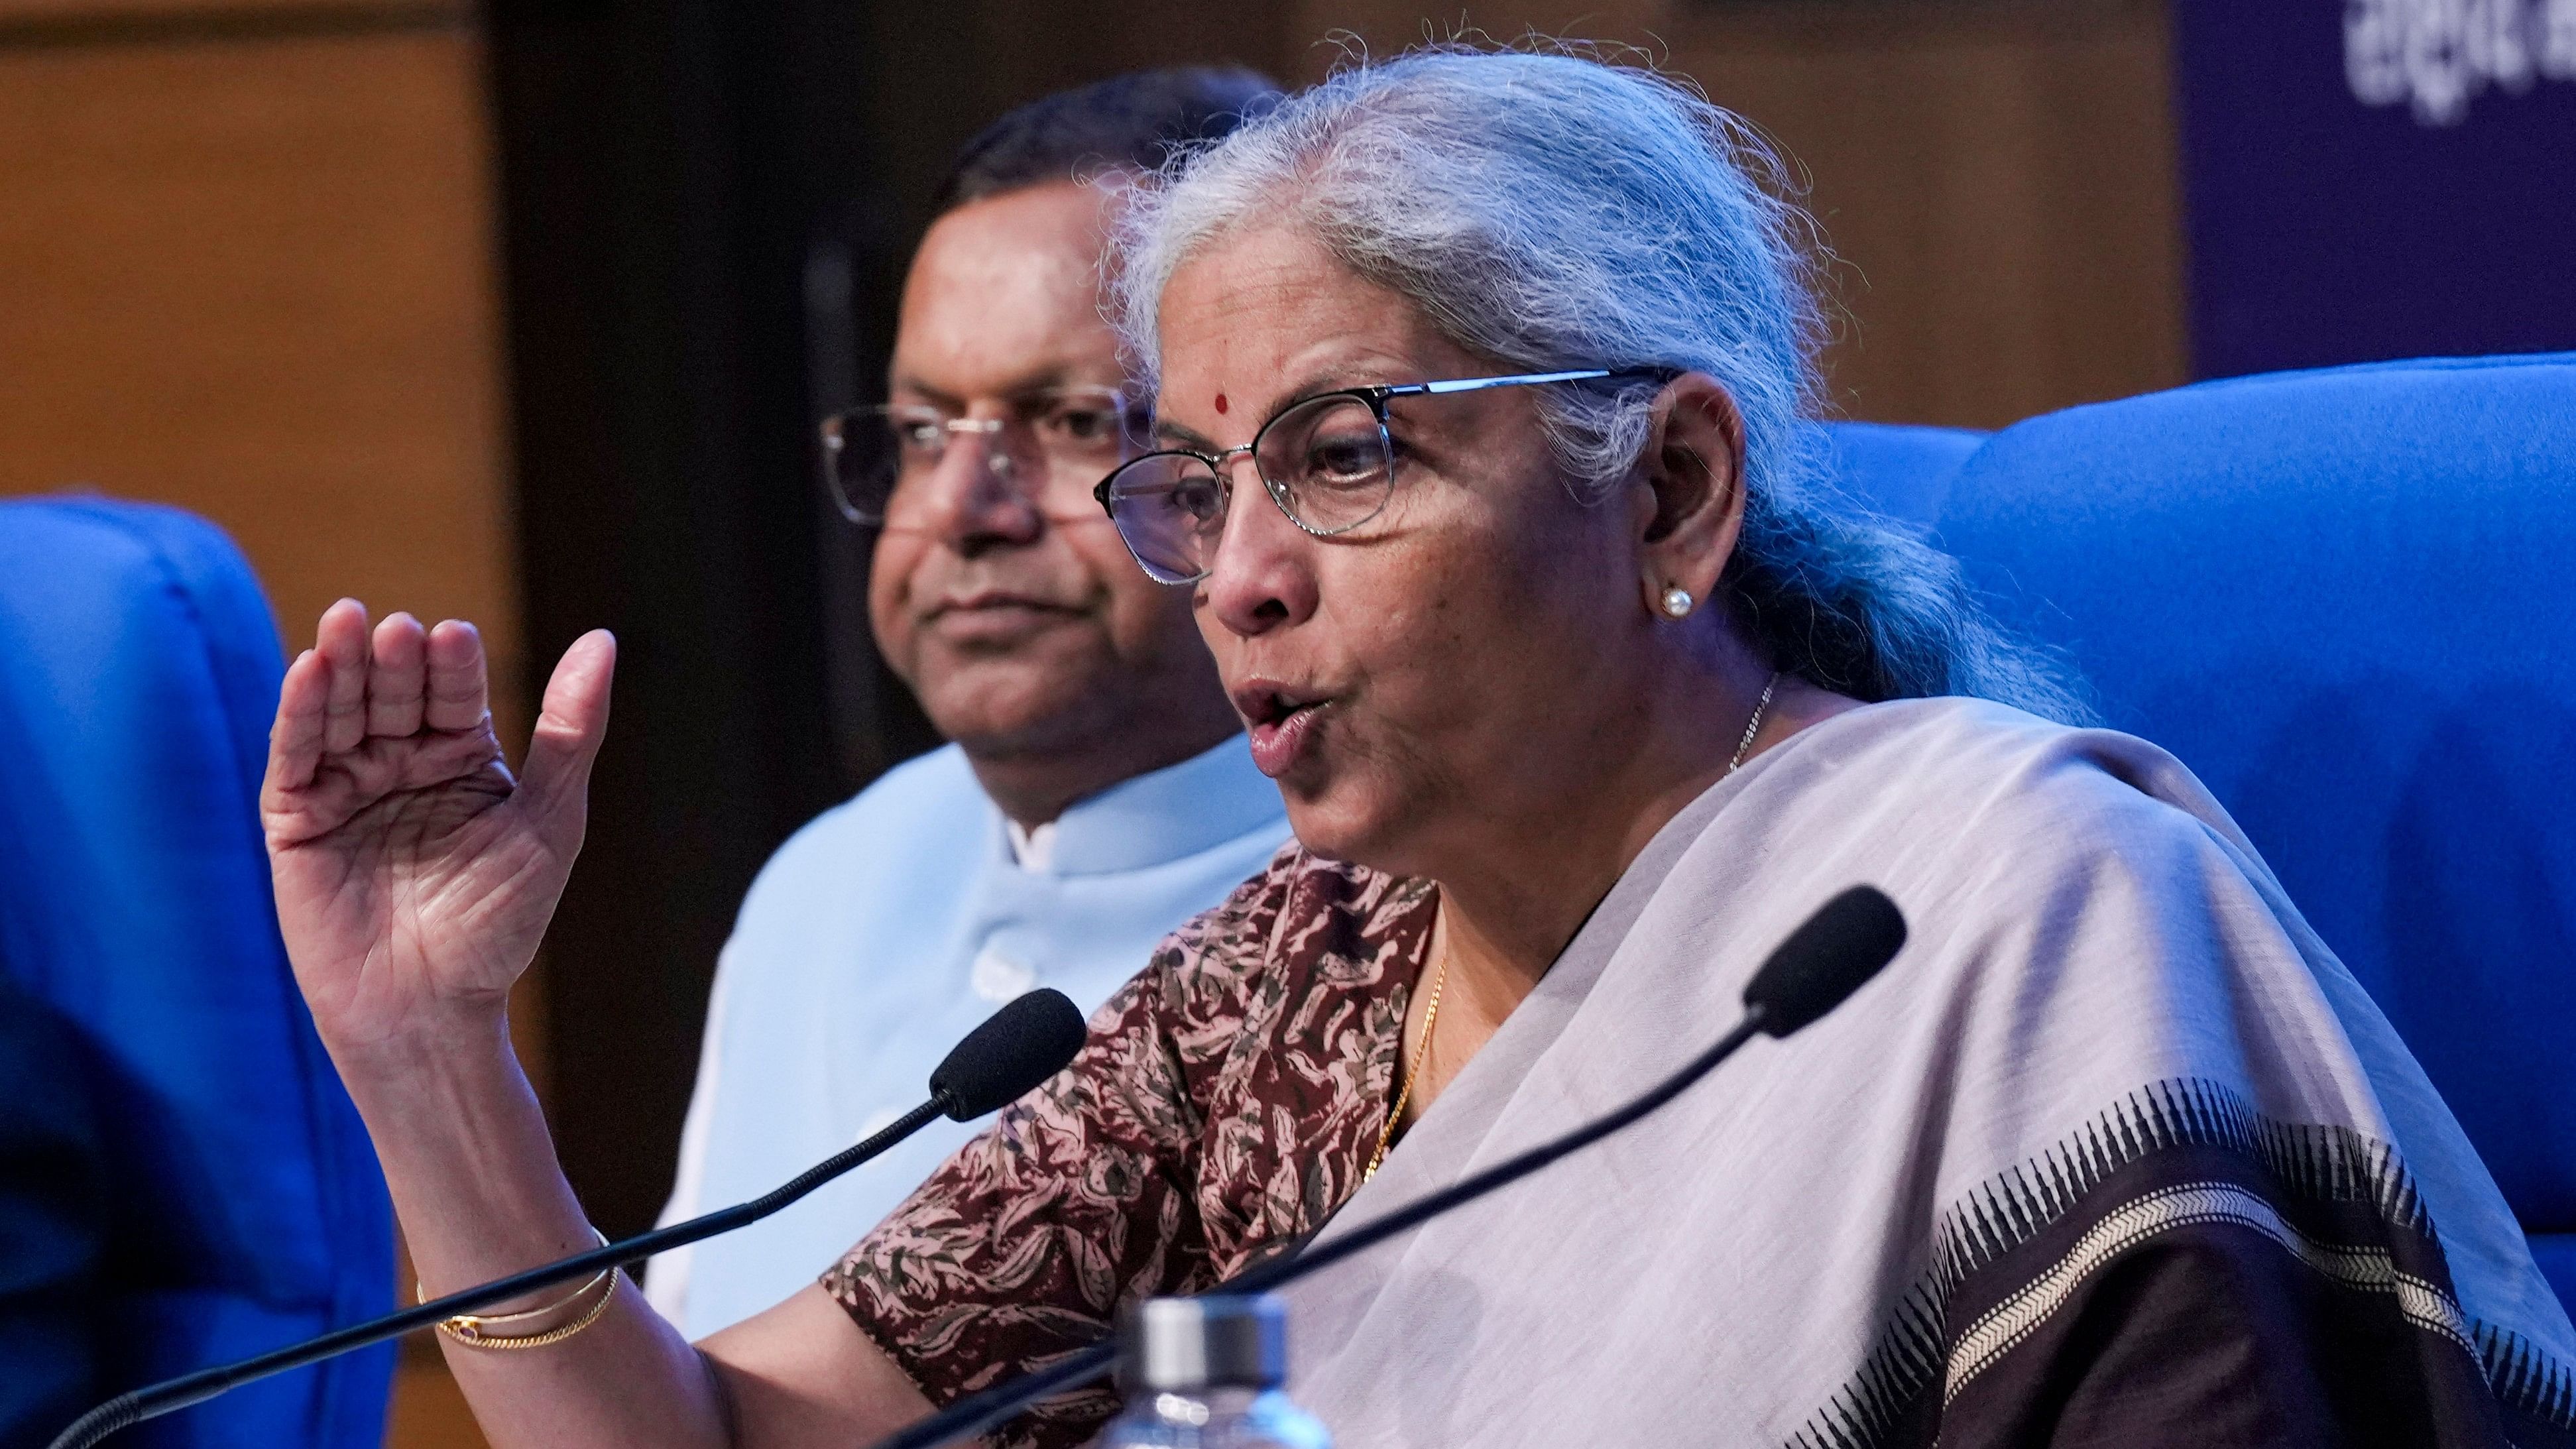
473	1328
535	1340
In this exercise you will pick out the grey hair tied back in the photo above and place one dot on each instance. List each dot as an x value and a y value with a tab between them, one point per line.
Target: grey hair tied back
1550	210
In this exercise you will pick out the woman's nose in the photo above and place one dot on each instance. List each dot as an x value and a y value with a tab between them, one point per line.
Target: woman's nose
1262	577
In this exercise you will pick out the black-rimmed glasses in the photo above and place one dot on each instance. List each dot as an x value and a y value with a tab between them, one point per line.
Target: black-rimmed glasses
1328	461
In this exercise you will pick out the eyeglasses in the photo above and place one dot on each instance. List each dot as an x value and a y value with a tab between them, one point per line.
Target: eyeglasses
1328	461
876	460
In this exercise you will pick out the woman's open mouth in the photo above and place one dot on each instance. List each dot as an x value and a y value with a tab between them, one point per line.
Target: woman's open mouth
1280	721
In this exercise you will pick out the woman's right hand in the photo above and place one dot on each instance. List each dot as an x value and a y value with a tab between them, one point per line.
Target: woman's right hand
414	875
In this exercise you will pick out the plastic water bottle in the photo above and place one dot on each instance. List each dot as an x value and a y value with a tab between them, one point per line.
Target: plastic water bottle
1204	1373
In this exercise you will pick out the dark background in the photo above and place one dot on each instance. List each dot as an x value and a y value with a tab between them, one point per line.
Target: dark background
707	208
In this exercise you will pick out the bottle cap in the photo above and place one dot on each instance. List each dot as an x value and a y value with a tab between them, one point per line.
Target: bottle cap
1180	1345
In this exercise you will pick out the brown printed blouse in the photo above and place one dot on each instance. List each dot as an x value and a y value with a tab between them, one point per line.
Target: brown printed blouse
1225	1104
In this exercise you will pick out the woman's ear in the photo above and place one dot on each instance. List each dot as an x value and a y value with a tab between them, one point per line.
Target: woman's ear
1693	474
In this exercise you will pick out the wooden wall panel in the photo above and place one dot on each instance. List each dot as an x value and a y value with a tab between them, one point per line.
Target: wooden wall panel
1996	178
29	14
255	280
1998	189
251	273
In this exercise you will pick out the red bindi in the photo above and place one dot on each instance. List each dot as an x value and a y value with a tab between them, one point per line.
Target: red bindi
1220	402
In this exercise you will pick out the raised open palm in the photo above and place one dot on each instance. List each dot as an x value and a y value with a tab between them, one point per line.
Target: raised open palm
414	875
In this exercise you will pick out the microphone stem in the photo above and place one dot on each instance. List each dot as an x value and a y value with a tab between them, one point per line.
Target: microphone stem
151	1403
979	1412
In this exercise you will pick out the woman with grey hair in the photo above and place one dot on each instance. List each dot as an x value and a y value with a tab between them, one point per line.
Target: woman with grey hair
1481	382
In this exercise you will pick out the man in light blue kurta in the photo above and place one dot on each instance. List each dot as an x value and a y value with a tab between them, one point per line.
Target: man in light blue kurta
880	934
1098	792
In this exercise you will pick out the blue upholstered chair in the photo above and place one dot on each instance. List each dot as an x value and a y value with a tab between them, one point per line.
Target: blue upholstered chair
138	672
1903	472
2347	599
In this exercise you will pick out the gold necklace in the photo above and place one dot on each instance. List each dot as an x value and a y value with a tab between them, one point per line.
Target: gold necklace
1413	1073
1440	973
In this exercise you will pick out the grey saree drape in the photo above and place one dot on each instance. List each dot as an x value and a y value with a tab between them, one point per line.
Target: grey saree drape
2115	1152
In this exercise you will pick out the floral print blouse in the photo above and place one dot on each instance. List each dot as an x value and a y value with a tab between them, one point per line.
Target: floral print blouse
1224	1106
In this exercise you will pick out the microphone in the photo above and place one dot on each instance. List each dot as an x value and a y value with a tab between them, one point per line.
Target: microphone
1033	1037
1827	958
1030	1039
1830	956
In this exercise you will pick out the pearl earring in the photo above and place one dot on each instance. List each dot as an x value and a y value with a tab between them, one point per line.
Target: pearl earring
1677	602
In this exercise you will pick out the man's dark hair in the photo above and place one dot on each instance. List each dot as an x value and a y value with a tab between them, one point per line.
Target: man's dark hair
1134	120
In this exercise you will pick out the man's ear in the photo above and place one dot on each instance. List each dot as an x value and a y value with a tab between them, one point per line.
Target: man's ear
1692	470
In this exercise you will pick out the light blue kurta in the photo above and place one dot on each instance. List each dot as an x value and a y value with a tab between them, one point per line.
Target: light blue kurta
874	939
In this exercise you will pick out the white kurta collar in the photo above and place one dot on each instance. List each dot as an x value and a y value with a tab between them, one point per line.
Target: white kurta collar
1154	819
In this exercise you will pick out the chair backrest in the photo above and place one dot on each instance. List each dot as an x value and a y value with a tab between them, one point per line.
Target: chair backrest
1903	472
138	670
2347	599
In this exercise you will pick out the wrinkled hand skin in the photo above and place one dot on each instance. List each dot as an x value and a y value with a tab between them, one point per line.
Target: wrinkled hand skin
414	873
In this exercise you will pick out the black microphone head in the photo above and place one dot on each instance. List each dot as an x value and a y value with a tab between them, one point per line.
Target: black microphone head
1030	1039
1826	959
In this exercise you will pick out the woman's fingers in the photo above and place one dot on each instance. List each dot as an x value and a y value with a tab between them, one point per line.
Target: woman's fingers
401	683
456	693
396	677
341	640
569	730
295	740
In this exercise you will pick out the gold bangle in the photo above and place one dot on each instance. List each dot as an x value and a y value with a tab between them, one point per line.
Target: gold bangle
475	1328
535	1340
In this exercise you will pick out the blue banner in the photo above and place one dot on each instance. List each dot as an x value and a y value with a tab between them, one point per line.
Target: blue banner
2377	178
